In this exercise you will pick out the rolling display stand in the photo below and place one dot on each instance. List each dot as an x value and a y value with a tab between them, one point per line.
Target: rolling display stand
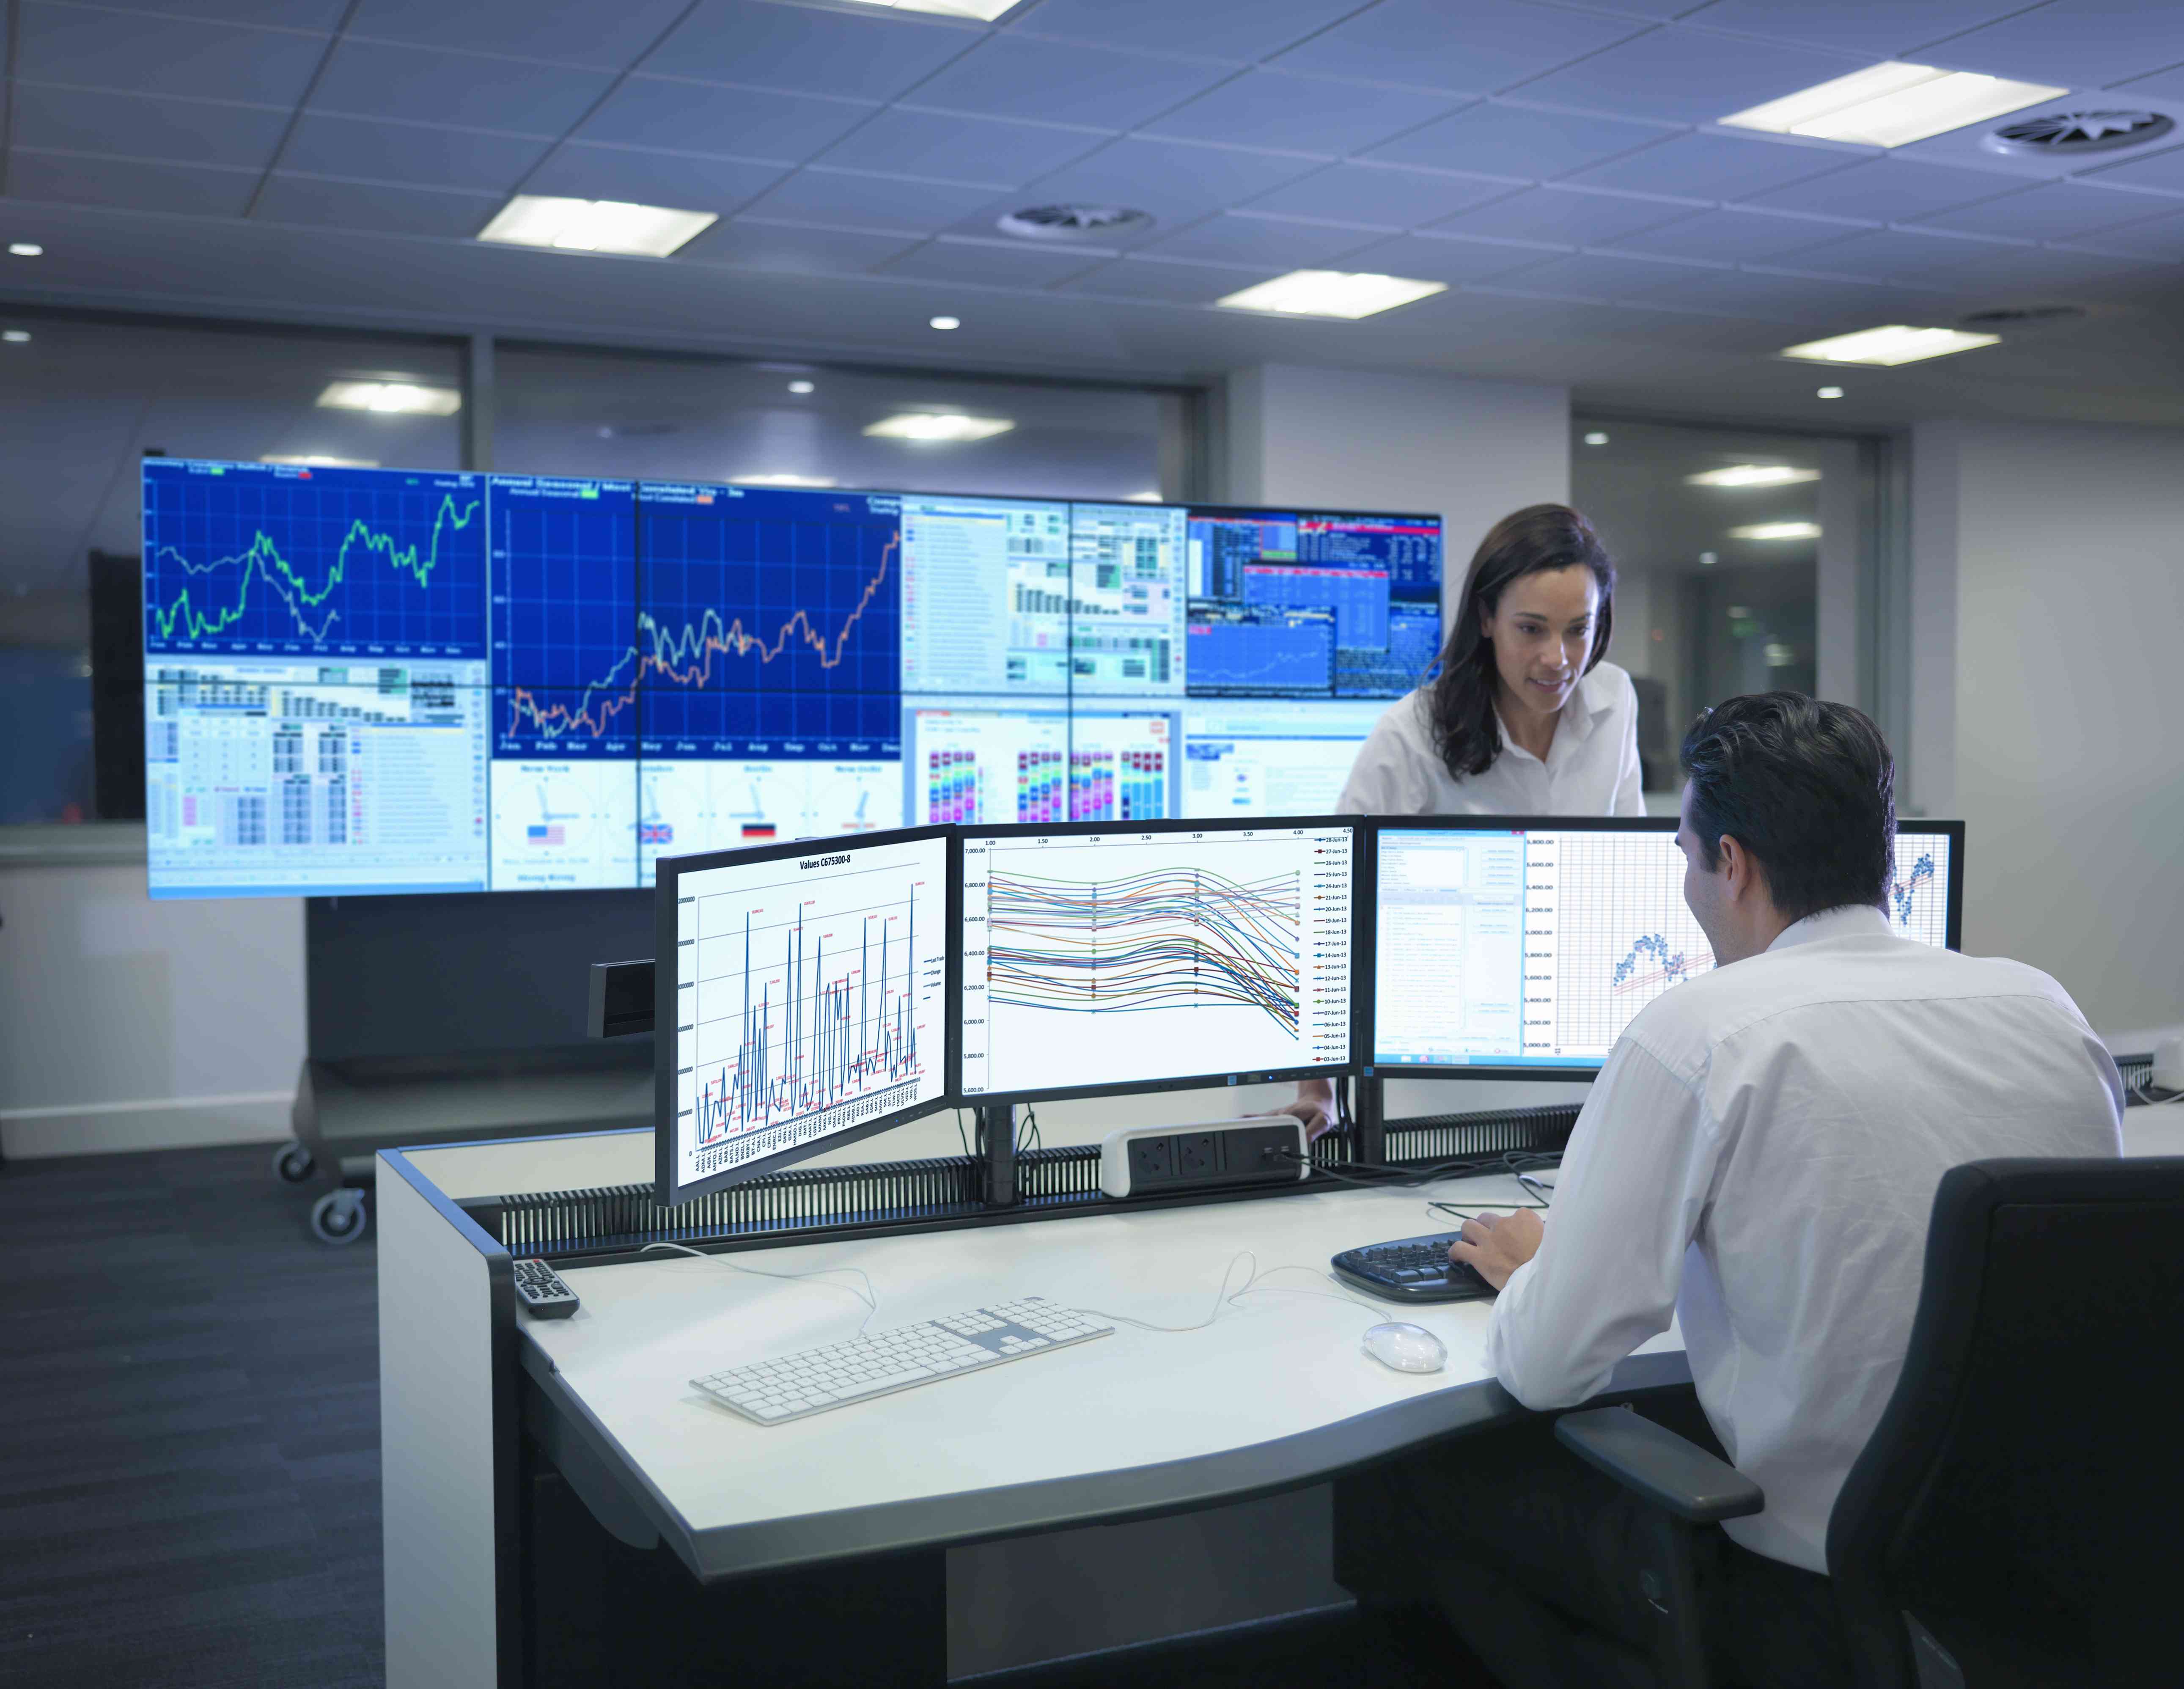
451	1019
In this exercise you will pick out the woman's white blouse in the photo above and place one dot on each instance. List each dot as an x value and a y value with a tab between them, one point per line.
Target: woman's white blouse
1591	768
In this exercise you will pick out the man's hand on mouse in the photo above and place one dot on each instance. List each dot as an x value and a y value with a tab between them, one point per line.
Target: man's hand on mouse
1497	1245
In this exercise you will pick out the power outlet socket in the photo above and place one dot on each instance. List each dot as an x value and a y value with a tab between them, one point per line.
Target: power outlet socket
1152	1161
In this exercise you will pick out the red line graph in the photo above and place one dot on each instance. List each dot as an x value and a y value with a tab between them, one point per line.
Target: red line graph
693	649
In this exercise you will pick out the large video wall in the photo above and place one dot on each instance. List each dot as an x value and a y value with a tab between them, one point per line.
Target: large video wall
370	680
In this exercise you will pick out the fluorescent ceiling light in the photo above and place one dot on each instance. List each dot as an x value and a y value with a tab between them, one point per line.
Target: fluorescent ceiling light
1596	439
17	337
1330	293
1892	104
945	323
1896	342
782	479
1752	475
595	225
25	249
947	425
1141	498
1829	393
800	387
404	397
985	11
316	461
1776	531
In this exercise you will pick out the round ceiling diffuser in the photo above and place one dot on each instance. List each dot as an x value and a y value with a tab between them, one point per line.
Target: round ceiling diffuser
1072	222
2069	134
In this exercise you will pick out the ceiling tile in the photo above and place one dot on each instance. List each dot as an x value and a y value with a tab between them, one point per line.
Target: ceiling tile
994	263
2158	238
1240	29
699	117
1175	181
1886	191
2165	84
1272	109
2161	170
579	32
2080	43
685	181
1380	196
1180	284
128	184
1515	141
1568	217
1473	48
1732	235
1939	260
950	148
147	127
805	252
1684	76
368	79
377	206
869	54
362	150
321	15
1599	276
1816	301
885	204
1884	29
1445	258
1020	76
1234	239
2053	211
1713	166
163	55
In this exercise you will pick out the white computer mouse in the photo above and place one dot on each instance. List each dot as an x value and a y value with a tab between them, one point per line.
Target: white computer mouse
1406	1347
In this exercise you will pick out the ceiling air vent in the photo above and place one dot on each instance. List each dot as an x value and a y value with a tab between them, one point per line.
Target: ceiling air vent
2020	316
2072	134
1072	222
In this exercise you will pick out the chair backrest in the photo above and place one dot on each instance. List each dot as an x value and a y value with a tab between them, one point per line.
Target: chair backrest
2022	1498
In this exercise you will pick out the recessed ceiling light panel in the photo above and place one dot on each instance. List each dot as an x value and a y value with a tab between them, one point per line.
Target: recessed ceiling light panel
393	397
939	426
1776	531
615	225
1331	293
780	478
1892	105
319	460
1752	475
1891	344
17	337
985	11
25	249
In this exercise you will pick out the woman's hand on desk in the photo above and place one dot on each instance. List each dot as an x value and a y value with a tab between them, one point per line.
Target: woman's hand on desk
1497	1245
1314	1105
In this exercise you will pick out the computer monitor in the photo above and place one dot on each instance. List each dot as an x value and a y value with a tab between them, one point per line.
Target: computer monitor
1103	958
811	983
1521	947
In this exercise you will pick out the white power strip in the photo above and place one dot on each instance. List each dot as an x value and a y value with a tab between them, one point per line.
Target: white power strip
1258	1149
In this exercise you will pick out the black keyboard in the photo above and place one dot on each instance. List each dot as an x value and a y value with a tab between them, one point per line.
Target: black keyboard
1411	1269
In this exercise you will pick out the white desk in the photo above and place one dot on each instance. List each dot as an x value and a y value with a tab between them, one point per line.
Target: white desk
1275	1393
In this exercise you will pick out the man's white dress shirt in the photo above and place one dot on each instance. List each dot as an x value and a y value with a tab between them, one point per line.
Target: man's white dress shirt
1759	1157
1591	767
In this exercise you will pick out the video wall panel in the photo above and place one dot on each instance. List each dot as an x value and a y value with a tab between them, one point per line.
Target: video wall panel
366	681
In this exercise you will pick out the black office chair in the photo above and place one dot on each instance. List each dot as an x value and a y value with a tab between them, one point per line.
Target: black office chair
2018	1516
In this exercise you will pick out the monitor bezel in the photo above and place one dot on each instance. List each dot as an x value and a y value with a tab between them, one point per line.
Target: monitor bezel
1372	1067
1213	1080
667	952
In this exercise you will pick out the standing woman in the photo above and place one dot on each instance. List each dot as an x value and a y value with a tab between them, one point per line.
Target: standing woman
1524	718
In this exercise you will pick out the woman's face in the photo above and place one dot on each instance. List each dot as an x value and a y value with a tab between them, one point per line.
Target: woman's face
1542	633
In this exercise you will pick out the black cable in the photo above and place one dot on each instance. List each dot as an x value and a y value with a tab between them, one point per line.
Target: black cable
1510	1161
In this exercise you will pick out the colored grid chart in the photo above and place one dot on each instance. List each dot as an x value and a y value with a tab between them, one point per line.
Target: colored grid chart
768	623
1625	935
1918	889
564	616
266	559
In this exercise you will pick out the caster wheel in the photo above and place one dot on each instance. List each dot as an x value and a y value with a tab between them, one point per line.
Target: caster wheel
337	1218
292	1163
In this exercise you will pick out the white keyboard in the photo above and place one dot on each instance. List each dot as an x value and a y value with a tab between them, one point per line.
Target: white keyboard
795	1387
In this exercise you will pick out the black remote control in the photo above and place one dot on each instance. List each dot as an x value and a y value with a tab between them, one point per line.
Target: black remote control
540	1291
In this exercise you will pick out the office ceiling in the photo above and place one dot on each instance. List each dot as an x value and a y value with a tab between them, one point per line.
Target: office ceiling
1557	165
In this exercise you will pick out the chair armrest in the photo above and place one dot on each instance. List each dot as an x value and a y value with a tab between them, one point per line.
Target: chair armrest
1654	1463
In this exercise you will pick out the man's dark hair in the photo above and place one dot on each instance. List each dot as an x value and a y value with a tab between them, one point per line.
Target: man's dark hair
1808	788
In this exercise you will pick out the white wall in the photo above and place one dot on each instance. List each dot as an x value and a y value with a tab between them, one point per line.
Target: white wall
129	1024
2048	595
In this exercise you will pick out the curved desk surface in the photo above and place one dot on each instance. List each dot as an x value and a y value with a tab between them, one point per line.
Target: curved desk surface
1275	1393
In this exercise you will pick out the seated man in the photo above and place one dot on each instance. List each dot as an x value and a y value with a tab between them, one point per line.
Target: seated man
1759	1157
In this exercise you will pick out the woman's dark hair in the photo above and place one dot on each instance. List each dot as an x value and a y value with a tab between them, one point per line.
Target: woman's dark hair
1526	542
1808	788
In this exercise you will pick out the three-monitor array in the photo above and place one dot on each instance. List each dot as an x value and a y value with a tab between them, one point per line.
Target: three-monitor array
364	680
824	992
